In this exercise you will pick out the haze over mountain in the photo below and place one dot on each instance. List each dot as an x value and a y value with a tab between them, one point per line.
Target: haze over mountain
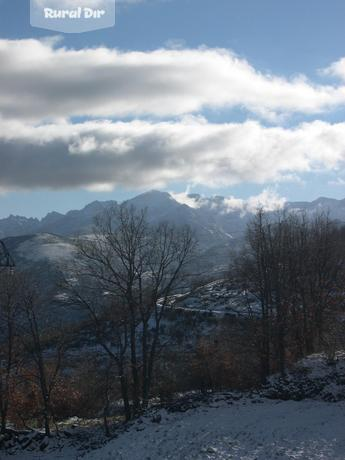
47	245
214	217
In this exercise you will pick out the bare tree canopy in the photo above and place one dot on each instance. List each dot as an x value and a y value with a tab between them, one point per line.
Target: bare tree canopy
294	264
127	270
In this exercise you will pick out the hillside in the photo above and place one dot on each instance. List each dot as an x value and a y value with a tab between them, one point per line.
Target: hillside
215	426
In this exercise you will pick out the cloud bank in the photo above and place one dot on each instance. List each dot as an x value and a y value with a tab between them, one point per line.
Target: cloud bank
141	154
43	85
41	81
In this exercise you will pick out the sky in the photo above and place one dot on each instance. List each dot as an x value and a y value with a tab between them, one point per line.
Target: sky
240	98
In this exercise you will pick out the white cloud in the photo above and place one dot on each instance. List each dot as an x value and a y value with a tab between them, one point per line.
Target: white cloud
268	199
336	69
185	198
42	80
142	154
100	188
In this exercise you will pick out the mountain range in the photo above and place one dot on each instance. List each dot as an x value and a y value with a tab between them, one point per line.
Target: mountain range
210	217
45	246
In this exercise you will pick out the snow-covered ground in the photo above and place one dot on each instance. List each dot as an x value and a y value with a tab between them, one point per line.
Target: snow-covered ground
46	247
247	429
219	297
242	430
248	426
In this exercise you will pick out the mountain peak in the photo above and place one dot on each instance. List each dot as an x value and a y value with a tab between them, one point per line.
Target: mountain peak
154	194
151	199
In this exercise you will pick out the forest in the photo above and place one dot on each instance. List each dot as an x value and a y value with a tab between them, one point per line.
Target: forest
131	348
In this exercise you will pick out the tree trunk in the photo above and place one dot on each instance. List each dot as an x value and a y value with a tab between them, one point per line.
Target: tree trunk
125	397
145	371
3	421
135	374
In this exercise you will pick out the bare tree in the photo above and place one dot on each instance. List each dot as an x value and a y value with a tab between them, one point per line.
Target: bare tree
9	343
133	269
110	324
292	263
44	347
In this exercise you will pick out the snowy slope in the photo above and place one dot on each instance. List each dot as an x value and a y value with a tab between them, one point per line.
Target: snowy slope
221	426
221	298
44	256
242	430
227	429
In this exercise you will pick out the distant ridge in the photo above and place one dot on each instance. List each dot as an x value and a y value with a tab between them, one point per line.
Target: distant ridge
210	216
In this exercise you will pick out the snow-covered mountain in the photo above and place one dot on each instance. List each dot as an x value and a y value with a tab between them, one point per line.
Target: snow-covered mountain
211	229
219	224
336	208
218	216
43	255
72	223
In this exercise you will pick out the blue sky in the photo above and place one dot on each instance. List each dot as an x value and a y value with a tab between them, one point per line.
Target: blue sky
280	40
